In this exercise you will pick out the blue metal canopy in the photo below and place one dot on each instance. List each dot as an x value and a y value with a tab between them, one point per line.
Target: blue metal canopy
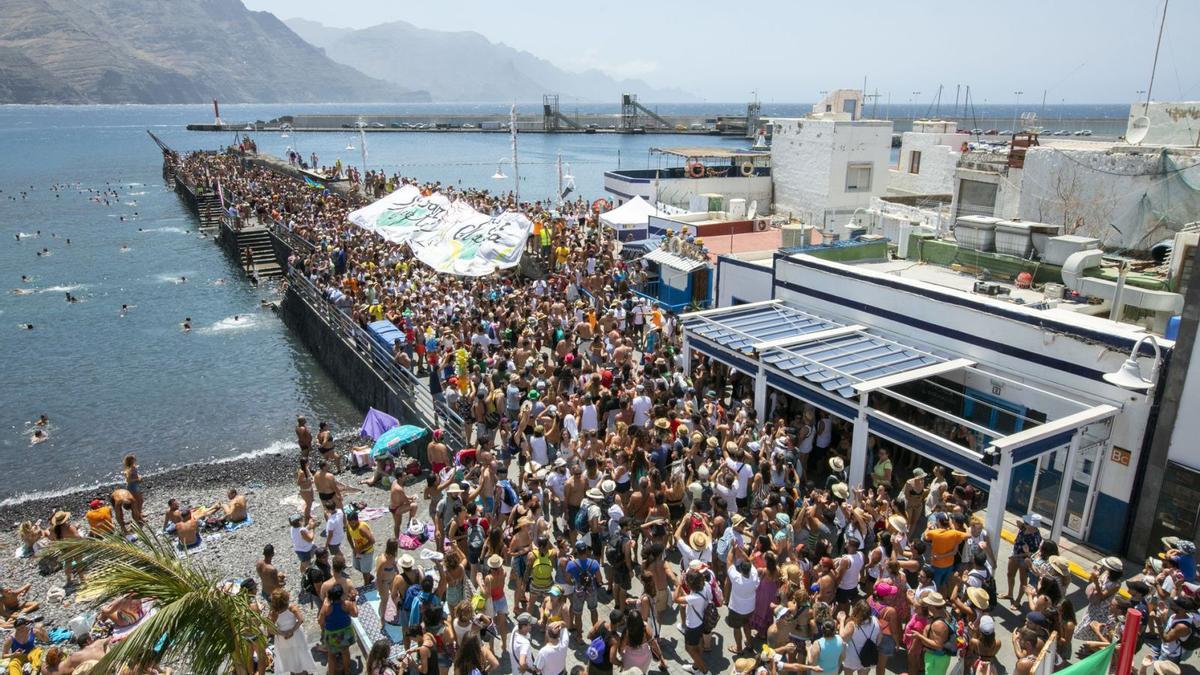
740	329
837	363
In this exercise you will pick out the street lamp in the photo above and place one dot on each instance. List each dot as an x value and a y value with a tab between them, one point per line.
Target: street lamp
499	175
1129	375
1016	109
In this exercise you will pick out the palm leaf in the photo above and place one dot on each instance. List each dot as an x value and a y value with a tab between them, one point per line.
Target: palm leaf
196	623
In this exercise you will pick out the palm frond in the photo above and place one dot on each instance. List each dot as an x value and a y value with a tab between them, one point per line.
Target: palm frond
196	623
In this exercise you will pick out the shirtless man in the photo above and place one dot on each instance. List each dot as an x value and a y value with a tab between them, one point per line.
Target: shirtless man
304	438
171	518
438	453
270	576
339	578
487	484
575	489
235	508
188	529
399	502
124	501
14	604
325	444
327	485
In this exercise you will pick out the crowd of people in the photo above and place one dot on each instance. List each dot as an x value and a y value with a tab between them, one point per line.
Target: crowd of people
598	477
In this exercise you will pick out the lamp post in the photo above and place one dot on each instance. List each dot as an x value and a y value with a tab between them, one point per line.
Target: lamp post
1016	109
1129	375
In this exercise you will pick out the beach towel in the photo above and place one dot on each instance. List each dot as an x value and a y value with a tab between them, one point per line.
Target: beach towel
371	513
148	610
408	542
60	635
230	527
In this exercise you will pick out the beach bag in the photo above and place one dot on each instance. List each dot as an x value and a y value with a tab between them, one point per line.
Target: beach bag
709	621
507	494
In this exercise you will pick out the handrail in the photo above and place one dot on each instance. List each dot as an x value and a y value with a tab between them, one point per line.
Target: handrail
420	401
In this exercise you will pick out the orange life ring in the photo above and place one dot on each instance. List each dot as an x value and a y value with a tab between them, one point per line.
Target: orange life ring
696	169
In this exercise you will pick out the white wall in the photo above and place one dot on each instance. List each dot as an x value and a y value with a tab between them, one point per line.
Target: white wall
1008	190
1089	192
809	158
1184	448
748	282
678	191
939	158
1171	123
939	315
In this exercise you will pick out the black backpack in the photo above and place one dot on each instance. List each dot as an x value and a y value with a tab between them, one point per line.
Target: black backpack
1192	641
614	551
868	654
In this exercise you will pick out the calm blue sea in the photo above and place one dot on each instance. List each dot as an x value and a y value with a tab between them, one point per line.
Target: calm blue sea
113	384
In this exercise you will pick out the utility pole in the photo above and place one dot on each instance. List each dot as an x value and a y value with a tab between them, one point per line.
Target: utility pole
512	126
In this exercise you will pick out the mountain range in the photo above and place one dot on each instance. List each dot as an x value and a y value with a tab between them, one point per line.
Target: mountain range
465	66
168	51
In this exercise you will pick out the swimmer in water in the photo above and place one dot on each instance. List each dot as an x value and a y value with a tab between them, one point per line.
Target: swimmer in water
183	280
27	326
187	325
24	279
42	420
124	247
219	282
37	437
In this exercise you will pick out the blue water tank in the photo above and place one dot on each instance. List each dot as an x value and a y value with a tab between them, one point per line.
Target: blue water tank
1173	328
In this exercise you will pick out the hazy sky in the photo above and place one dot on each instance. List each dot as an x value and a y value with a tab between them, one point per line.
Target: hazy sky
1095	51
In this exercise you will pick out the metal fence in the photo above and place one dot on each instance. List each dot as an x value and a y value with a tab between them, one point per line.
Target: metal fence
410	390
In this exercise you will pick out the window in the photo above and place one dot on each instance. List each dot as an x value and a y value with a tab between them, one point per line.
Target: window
858	178
850	106
914	161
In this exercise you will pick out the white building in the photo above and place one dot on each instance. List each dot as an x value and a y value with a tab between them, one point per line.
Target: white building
828	166
909	353
1170	123
928	159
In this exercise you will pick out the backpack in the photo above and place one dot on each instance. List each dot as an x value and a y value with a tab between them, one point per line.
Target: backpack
868	654
430	608
710	617
597	651
587	577
507	494
475	535
614	551
541	573
988	584
1192	641
581	518
410	597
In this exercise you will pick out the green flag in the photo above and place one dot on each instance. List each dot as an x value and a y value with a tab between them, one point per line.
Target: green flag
1096	664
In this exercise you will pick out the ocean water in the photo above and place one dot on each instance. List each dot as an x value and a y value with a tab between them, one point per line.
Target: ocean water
112	383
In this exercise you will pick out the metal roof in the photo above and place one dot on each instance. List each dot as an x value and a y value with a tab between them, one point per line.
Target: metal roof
740	328
838	363
675	261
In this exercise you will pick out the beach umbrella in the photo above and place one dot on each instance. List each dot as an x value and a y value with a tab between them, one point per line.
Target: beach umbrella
376	423
394	438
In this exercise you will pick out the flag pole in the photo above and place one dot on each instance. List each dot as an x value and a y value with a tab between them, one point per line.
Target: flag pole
512	126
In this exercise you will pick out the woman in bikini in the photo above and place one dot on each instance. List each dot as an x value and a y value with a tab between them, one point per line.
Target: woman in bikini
133	483
304	482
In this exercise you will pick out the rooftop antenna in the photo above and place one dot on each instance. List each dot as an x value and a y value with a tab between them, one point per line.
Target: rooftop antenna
1139	126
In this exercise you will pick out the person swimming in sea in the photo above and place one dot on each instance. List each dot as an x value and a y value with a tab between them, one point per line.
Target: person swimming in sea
26	326
38	437
42	420
187	325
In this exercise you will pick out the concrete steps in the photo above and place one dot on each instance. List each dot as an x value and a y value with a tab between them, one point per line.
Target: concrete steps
258	240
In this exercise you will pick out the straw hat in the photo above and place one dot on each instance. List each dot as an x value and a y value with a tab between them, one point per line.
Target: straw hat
495	562
712	442
840	490
933	600
454	489
837	464
608	486
594	494
738	520
919	473
1113	564
898	522
407	562
59	518
1161	667
744	666
698	541
662	423
978	597
1060	565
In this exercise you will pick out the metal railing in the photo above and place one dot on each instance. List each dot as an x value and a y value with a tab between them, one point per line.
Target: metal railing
411	391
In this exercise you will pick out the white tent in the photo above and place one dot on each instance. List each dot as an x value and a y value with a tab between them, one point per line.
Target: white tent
632	215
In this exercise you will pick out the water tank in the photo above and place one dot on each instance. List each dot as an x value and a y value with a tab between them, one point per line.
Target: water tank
1058	249
1040	233
1013	238
1172	332
794	235
737	208
977	233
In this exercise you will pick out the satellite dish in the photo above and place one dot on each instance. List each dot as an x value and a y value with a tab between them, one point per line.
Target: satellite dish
753	211
1138	128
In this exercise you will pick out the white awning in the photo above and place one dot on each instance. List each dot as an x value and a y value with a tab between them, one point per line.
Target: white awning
674	261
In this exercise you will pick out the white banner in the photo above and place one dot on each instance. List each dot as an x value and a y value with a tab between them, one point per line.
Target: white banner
452	238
